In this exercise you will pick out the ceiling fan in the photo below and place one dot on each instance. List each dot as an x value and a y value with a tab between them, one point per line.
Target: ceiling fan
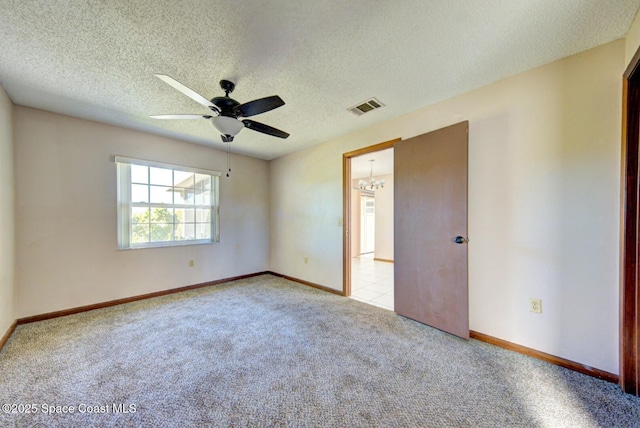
227	110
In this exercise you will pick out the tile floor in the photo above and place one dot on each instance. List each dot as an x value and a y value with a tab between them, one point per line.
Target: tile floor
372	281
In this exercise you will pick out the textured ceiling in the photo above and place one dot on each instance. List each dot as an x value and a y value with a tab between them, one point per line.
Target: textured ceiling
96	59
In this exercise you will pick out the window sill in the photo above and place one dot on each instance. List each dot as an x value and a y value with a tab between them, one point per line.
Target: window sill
168	244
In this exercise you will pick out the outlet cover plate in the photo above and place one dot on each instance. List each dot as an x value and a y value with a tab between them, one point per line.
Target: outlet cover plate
535	305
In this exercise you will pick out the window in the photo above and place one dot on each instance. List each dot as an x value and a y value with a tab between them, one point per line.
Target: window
369	207
163	205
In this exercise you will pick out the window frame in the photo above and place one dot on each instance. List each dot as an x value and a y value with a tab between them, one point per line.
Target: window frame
125	204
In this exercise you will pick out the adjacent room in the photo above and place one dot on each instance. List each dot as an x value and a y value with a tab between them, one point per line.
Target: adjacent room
319	214
371	228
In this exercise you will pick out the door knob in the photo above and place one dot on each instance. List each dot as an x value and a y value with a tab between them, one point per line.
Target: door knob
459	240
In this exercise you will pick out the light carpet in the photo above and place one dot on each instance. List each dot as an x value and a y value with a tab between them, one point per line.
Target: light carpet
265	351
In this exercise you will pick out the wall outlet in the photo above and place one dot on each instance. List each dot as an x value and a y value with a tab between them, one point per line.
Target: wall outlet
192	263
306	260
535	305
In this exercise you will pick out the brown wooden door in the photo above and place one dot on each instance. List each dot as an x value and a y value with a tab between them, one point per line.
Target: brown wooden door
430	211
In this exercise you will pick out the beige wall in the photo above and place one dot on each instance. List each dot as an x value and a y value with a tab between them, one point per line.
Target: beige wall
7	237
384	219
66	215
633	39
544	164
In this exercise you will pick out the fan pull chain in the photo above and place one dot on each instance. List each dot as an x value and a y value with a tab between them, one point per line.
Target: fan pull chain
228	150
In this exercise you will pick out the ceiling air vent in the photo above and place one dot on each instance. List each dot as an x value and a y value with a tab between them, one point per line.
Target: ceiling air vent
365	107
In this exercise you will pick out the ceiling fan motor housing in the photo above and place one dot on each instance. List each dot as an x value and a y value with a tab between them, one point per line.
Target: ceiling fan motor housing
226	106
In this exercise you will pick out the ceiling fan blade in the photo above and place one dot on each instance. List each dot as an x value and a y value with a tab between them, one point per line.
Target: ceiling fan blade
180	116
187	91
259	106
265	129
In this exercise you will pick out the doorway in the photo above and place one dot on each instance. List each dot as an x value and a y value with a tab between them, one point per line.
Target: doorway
367	267
372	270
372	263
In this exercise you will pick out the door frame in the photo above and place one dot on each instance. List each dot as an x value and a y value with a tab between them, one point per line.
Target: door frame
629	231
346	207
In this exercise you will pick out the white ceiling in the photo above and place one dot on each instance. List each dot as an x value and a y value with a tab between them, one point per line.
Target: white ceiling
97	59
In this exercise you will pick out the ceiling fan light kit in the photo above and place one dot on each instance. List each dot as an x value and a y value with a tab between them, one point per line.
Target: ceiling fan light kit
227	126
227	110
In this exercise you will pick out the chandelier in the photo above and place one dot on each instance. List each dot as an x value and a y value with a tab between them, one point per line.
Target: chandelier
372	184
